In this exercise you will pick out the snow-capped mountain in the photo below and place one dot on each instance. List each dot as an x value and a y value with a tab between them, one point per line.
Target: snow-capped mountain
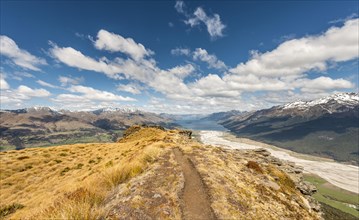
34	109
347	99
44	109
38	126
327	126
115	110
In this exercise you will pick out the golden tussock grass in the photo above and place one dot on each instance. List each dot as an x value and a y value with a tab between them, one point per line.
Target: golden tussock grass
243	187
72	182
255	166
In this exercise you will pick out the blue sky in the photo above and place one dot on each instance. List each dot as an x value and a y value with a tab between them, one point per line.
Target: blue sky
176	56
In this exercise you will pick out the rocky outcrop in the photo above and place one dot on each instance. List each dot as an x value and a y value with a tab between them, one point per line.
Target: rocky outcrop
131	130
295	173
186	133
262	152
153	126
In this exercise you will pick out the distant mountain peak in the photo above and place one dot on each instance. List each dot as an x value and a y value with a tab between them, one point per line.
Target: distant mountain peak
33	109
40	108
348	99
111	109
326	127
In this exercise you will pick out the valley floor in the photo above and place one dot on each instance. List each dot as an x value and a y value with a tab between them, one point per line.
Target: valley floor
341	175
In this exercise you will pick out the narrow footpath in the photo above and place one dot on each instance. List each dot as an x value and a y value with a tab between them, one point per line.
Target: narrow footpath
195	200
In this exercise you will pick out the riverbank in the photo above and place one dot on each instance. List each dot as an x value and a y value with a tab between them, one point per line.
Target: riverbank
341	175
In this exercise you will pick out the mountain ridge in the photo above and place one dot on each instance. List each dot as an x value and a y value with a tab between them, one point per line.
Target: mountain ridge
325	127
44	126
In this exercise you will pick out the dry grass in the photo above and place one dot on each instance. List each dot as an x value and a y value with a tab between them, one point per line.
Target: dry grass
71	182
102	181
242	186
254	166
151	195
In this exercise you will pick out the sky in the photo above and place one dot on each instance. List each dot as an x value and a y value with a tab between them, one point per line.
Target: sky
176	57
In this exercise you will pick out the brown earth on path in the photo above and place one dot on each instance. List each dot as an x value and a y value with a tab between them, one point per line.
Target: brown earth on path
195	200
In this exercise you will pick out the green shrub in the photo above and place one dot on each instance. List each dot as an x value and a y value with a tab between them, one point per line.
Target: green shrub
23	157
9	209
67	169
109	164
79	166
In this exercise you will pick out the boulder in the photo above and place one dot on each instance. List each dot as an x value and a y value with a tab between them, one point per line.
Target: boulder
306	188
187	133
131	130
276	161
262	151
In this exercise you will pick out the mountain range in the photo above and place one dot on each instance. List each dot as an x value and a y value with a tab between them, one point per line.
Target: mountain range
44	126
326	127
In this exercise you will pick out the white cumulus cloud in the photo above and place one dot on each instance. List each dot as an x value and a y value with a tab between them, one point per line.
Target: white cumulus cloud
116	43
65	80
3	84
94	94
182	71
87	98
179	6
210	59
27	92
298	56
46	84
20	57
213	23
16	97
75	58
181	51
284	70
201	55
323	83
132	88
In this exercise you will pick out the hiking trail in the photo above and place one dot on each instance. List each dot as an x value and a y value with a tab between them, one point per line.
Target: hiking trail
195	200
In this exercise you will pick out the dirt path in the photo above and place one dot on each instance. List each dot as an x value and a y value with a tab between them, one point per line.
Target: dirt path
195	201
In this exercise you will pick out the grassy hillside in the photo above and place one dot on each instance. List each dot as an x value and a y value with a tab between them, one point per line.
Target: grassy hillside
146	175
335	197
71	181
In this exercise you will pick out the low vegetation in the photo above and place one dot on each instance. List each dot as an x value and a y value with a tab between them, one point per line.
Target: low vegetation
243	186
60	138
139	177
9	209
71	182
335	197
